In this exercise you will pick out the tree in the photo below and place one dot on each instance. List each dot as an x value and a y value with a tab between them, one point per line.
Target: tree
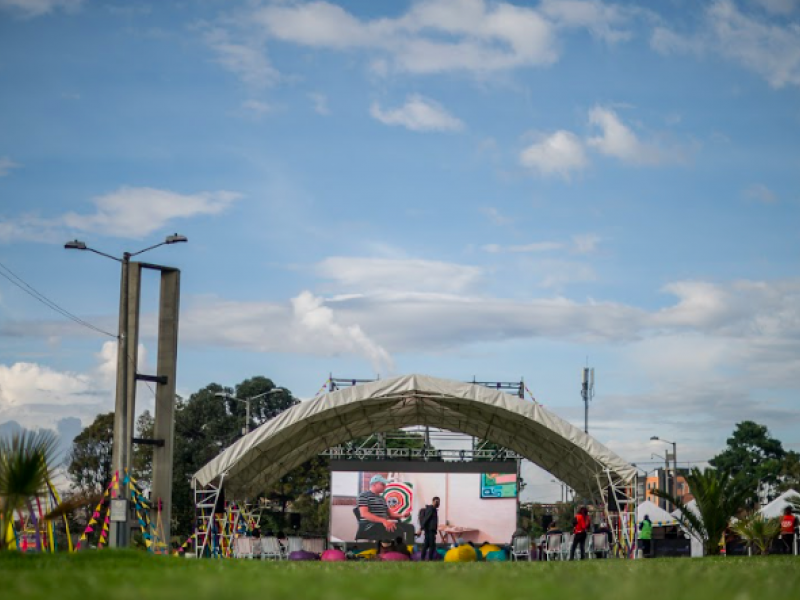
753	457
758	531
205	424
790	472
26	463
719	497
142	459
90	467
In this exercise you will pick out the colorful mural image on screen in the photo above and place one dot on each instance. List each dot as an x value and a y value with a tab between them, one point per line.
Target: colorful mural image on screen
498	485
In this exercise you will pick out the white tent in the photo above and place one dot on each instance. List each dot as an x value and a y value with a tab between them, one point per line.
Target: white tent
777	506
658	516
256	461
696	544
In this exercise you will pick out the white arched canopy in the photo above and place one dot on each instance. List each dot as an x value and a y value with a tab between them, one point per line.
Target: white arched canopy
256	461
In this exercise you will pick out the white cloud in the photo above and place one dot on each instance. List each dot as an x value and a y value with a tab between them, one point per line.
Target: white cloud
560	153
37	8
534	247
417	114
586	243
778	7
619	141
760	193
603	21
320	102
256	107
243	56
384	274
496	216
126	213
434	36
7	165
769	48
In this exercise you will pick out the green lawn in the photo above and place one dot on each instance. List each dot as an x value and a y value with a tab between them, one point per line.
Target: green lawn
121	575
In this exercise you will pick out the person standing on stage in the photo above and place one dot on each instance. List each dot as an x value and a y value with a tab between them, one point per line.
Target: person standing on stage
788	529
429	525
645	535
579	532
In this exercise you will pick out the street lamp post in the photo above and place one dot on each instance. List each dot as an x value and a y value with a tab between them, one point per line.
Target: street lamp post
122	423
247	402
655	438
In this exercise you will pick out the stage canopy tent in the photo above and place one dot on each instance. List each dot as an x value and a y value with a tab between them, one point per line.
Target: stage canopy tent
658	516
777	506
256	461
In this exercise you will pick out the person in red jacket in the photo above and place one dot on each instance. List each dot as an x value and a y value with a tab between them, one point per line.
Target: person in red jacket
582	524
788	528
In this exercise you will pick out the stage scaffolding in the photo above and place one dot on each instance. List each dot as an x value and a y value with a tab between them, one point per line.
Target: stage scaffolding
613	495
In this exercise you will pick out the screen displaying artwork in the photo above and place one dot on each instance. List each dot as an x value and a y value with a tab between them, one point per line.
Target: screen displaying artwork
498	485
360	507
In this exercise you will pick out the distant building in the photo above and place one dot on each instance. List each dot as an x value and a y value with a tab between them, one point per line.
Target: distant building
662	480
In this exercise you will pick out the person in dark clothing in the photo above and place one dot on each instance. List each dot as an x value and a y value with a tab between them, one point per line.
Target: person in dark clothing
646	535
579	533
400	547
429	525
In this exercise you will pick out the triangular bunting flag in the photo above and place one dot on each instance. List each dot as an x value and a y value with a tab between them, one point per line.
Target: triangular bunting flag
89	529
96	514
93	522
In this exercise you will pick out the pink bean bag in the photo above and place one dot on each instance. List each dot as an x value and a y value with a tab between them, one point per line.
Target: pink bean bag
333	555
394	557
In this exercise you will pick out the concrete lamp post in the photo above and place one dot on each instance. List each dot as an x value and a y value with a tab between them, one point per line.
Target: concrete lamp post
127	340
655	438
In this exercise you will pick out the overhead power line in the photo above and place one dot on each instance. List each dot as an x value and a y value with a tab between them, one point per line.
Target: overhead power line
16	280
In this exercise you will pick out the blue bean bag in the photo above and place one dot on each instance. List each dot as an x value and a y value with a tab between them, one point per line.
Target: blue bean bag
496	556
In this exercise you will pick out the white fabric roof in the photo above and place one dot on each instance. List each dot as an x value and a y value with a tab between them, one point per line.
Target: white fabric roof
658	515
776	507
255	462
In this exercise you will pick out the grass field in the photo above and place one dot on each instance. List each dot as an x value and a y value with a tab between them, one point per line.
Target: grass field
122	575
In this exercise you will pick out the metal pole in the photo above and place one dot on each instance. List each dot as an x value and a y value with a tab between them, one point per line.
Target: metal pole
675	469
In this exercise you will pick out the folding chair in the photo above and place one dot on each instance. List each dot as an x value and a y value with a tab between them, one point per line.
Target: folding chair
600	544
243	547
294	543
271	548
566	544
315	545
552	549
521	548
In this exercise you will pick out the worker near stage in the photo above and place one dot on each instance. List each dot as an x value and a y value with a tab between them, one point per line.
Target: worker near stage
429	525
645	535
376	520
788	529
581	527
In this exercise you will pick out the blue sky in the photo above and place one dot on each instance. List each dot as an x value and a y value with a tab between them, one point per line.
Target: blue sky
455	187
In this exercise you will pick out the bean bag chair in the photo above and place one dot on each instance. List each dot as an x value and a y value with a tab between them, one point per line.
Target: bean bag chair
333	555
394	557
417	556
496	556
370	553
303	555
486	548
464	553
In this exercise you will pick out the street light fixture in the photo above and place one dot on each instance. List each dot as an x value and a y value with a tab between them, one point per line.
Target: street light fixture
122	436
655	438
247	401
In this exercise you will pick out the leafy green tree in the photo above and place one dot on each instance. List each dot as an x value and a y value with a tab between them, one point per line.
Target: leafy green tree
719	497
26	464
142	459
790	472
753	456
89	461
758	531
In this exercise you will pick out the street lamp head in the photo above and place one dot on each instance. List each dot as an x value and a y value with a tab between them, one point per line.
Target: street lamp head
655	438
221	394
75	245
175	239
